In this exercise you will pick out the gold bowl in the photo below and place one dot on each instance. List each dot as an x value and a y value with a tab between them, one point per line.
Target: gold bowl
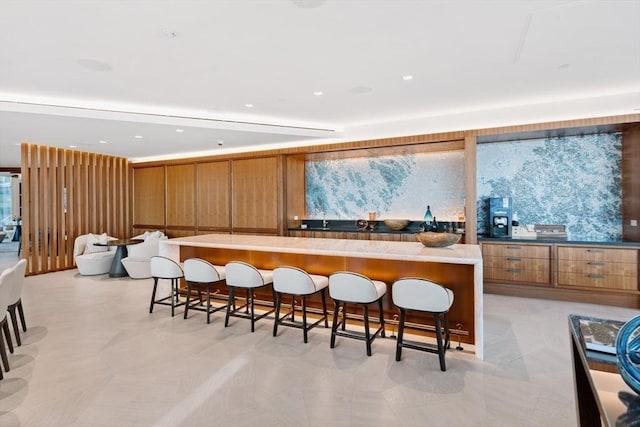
396	224
437	240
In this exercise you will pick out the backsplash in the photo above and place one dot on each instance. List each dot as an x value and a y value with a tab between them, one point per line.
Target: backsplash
392	186
574	180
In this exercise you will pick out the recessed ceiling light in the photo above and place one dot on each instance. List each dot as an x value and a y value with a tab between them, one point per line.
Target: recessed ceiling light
72	146
407	77
138	137
179	130
248	105
169	33
102	142
318	93
563	66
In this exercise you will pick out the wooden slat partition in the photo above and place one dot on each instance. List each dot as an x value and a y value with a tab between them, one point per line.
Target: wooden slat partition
68	193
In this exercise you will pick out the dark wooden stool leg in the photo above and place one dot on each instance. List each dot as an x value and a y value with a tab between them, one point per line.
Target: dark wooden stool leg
231	301
304	318
382	333
400	334
324	308
439	339
334	324
153	294
186	307
367	333
275	323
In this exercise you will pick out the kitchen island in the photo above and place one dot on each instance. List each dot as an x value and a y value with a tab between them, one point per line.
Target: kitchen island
458	267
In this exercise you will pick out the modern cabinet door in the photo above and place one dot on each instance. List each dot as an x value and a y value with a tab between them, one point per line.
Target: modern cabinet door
181	196
597	267
148	198
255	195
517	263
214	196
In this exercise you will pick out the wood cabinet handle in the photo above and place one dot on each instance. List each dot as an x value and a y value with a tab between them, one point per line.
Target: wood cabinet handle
595	251
513	247
596	276
595	263
514	270
513	259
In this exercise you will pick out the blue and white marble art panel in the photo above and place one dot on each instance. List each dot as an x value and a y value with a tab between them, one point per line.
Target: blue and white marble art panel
392	186
575	181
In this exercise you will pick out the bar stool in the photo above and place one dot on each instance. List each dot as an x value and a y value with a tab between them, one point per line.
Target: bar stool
347	287
15	299
243	275
415	294
166	268
297	282
202	274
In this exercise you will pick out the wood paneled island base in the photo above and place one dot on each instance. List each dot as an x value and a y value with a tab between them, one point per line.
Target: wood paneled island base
458	267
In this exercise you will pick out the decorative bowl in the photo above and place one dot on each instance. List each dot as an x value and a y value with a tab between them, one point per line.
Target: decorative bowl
437	240
396	224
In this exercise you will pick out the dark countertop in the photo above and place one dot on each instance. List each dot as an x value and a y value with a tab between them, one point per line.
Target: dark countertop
572	240
349	226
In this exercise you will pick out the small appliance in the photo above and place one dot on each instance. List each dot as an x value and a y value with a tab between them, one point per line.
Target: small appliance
500	214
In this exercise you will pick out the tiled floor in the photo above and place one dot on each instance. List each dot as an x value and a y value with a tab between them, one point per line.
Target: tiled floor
94	356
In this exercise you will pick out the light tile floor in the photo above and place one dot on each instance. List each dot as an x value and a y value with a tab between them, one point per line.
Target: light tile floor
94	356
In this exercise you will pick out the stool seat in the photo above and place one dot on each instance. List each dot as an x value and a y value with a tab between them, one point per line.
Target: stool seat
166	268
201	274
348	287
297	282
243	275
417	294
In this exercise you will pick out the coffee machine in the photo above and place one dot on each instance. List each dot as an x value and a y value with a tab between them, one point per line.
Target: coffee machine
500	213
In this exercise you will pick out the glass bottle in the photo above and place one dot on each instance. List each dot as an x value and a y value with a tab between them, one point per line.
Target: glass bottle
434	225
428	219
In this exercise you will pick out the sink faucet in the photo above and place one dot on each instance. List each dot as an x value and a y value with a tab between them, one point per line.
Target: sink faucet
324	220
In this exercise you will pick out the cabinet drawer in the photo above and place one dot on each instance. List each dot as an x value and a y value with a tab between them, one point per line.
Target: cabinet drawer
517	274
598	267
598	254
594	280
517	263
524	251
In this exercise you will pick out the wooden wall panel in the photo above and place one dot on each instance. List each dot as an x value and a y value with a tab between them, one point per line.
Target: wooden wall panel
631	184
255	188
68	193
214	196
181	195
149	197
294	190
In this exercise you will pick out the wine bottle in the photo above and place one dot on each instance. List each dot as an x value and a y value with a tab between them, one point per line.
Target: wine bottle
434	225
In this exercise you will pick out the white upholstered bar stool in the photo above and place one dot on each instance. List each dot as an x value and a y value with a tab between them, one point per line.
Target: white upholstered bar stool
416	294
243	275
166	268
347	287
297	282
200	274
5	289
15	298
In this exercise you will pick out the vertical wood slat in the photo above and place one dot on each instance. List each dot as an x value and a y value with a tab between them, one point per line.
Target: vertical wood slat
96	192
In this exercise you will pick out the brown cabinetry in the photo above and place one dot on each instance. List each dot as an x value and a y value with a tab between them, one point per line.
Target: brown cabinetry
148	197
517	263
598	267
255	195
214	189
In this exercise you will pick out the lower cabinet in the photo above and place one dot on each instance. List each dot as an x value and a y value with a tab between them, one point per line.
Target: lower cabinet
517	263
598	267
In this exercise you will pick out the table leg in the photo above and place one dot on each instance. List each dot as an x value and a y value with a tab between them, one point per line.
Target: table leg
117	269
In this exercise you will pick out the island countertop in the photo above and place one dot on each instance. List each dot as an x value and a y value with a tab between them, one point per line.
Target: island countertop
458	267
455	254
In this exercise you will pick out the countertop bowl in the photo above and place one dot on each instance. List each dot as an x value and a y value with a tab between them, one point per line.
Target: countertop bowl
437	240
396	224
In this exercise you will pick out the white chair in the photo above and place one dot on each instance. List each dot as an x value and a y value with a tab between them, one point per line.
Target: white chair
347	287
15	298
202	274
166	268
415	294
243	275
5	290
90	259
297	282
138	261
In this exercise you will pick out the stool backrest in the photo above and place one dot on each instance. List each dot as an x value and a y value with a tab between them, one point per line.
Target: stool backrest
200	271
16	281
292	280
353	287
5	290
243	275
165	268
420	294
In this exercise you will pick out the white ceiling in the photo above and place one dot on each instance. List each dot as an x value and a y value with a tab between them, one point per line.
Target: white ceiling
77	72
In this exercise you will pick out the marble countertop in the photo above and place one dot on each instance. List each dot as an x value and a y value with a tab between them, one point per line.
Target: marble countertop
409	251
